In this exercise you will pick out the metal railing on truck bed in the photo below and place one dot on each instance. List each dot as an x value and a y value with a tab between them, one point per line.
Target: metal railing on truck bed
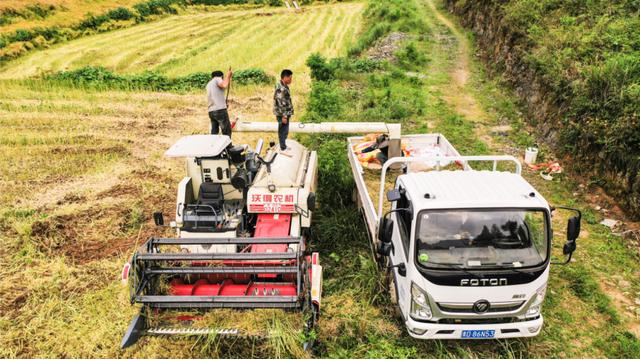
433	151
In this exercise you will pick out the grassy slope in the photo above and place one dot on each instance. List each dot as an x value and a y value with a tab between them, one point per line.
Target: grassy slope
578	62
184	44
68	12
81	171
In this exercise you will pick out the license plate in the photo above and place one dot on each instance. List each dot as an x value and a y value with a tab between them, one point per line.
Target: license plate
478	334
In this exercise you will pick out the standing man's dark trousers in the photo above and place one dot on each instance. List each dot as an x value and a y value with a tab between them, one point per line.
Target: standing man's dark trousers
220	121
283	132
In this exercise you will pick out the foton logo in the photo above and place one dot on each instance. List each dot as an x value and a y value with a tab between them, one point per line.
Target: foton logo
483	282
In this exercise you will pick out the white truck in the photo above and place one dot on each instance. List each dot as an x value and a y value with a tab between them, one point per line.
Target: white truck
467	251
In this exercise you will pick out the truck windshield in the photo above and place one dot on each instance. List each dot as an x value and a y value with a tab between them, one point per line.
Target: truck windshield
481	238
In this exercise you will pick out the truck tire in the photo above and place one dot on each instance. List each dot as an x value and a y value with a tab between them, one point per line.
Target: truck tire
393	293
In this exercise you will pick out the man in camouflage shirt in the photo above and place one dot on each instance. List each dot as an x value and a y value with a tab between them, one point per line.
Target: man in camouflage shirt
282	107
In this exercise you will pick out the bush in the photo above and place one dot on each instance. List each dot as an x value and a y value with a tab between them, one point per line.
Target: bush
321	70
159	7
410	57
143	9
120	13
326	102
87	74
92	21
195	80
21	35
252	76
365	65
99	77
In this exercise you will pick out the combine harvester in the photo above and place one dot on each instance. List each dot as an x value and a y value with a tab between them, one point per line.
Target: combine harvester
242	224
467	251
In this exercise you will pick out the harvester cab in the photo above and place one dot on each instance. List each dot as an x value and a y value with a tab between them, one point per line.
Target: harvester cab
241	224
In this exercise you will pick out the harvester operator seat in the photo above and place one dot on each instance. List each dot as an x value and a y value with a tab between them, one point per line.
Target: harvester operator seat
211	194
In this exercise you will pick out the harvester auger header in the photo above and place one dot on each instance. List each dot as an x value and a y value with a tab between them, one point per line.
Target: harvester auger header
241	239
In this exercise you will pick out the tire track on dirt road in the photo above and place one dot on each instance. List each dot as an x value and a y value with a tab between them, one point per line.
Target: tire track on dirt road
457	93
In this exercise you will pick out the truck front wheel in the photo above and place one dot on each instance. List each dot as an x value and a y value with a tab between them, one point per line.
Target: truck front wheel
393	292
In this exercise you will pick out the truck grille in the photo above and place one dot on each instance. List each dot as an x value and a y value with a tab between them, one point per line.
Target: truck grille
463	321
496	307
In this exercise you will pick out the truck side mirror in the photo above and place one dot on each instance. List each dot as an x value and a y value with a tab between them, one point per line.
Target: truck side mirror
386	230
402	269
573	231
158	218
384	249
393	195
569	247
311	202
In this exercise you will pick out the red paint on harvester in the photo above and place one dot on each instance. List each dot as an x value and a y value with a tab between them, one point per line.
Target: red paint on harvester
271	226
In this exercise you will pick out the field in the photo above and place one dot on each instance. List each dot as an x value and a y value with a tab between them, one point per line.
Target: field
81	171
65	12
185	44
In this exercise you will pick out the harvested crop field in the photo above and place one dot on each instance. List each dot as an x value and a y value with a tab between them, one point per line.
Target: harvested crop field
27	14
81	174
82	171
266	38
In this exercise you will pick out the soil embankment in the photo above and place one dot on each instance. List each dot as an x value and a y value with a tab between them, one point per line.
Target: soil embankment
570	111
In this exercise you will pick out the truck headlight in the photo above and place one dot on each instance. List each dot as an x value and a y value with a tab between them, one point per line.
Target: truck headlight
420	308
536	306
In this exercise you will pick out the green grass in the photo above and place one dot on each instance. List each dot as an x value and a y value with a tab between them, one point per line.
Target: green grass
82	170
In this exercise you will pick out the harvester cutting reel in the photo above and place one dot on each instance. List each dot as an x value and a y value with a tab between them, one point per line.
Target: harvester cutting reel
245	279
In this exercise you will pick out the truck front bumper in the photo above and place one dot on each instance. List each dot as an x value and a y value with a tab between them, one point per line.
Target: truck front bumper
420	330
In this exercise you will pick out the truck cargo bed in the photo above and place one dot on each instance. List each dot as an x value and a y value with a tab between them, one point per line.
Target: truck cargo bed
368	180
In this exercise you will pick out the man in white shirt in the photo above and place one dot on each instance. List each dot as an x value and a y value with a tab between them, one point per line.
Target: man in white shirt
217	103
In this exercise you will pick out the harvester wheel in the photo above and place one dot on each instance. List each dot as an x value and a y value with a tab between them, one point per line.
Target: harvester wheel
310	313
